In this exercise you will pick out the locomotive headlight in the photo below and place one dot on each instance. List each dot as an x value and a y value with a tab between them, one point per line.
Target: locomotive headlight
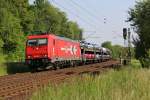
45	55
29	57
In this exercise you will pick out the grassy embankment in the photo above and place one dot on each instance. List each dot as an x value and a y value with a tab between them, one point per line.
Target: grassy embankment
126	84
3	69
11	67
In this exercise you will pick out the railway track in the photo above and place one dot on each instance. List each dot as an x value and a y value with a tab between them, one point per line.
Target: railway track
22	86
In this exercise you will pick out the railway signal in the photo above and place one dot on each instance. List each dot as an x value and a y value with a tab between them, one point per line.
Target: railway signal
129	45
127	53
125	33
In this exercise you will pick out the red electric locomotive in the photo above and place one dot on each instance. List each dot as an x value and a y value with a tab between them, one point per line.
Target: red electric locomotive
48	50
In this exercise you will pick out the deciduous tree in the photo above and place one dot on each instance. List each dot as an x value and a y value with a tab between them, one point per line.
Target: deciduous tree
140	19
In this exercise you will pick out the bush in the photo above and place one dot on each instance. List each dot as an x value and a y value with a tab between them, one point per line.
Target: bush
145	62
135	63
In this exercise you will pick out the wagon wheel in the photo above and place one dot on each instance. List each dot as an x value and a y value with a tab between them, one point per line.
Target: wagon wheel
72	64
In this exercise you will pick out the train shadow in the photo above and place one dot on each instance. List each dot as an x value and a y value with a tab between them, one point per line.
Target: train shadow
16	67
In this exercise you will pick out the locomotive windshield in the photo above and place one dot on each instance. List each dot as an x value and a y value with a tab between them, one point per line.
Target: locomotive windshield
37	42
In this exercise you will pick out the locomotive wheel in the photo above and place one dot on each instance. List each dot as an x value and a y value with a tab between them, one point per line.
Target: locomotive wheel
57	66
51	66
54	66
72	63
60	65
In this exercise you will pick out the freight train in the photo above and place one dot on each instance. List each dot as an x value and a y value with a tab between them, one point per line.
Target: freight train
47	51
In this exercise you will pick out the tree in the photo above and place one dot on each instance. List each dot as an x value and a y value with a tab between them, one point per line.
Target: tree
20	8
116	50
10	31
107	44
1	44
18	19
140	19
52	20
9	27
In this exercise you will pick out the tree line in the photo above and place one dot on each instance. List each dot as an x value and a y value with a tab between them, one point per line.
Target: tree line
118	51
19	19
139	16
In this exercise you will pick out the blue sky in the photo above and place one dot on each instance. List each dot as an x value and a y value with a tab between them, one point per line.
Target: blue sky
101	20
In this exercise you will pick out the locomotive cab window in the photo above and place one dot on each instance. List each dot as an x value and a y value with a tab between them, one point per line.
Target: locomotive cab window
42	41
32	42
36	42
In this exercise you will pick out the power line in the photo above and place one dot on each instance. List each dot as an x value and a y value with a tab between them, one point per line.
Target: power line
85	9
82	19
89	17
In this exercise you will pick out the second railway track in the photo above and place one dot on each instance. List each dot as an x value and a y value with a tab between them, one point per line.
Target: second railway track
22	86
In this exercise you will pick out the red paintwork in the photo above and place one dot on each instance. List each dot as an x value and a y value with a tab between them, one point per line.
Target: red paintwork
36	51
89	56
57	48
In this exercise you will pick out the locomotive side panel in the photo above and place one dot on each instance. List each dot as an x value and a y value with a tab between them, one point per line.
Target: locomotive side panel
51	47
67	50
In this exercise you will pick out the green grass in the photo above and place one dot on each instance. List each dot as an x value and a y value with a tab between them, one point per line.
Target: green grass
126	84
135	63
11	67
3	69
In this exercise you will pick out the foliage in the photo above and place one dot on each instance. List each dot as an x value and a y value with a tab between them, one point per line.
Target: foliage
10	29
3	70
107	44
117	50
52	20
127	84
1	44
19	19
135	63
139	16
